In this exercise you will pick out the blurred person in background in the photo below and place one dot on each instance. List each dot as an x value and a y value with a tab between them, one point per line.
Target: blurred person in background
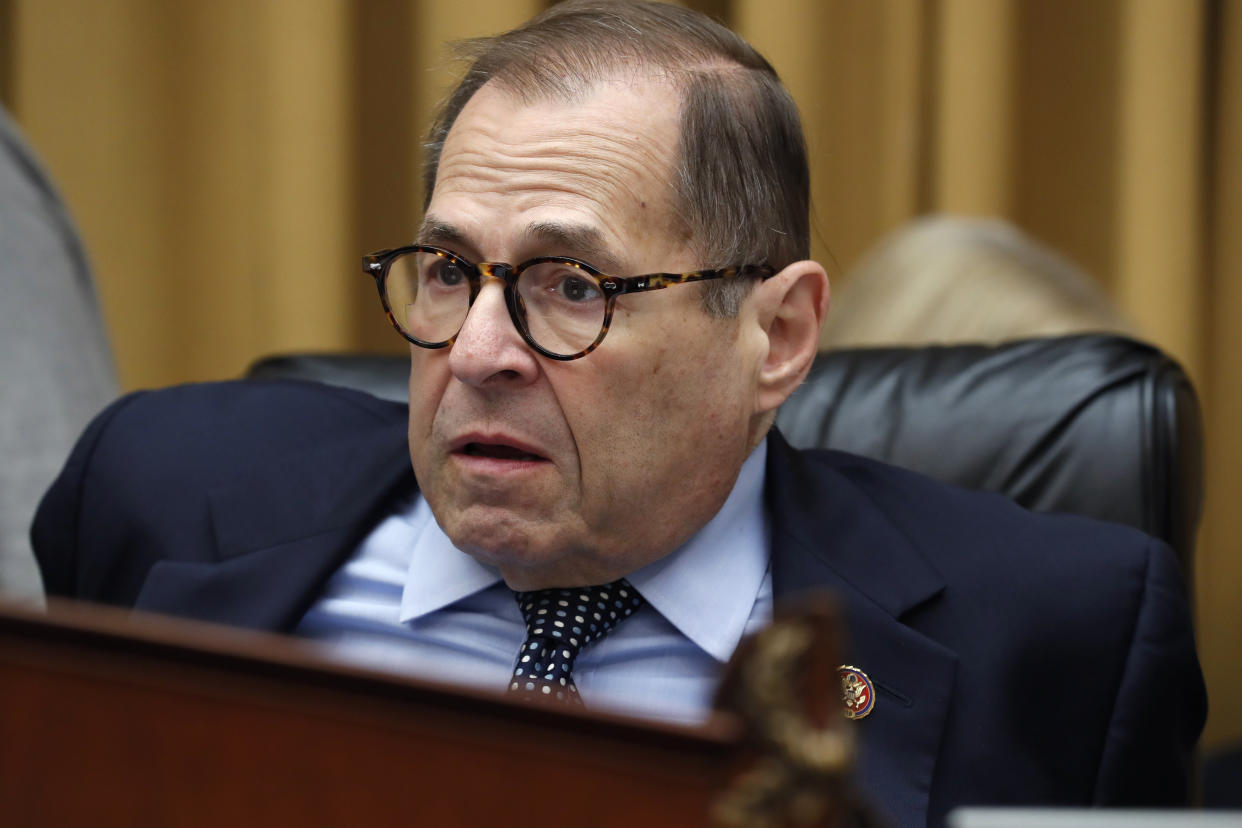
56	369
943	279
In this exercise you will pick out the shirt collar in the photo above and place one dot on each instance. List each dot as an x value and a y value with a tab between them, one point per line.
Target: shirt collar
706	588
440	574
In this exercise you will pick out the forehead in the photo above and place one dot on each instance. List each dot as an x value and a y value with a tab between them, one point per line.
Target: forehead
603	161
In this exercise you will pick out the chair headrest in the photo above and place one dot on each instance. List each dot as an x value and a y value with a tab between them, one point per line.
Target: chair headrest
1096	425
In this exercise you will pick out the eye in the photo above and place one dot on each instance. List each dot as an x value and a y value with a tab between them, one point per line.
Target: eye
556	287
445	272
574	287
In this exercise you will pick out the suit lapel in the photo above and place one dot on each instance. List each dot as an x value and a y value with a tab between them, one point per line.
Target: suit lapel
829	534
282	530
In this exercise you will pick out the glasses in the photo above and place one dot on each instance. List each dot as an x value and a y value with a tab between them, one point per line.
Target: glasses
561	307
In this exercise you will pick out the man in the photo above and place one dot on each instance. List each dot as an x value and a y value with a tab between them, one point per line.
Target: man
595	416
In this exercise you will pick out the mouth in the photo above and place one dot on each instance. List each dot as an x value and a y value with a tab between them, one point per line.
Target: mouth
499	451
495	451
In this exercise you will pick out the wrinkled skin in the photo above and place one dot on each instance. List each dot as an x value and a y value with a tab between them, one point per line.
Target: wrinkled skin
572	473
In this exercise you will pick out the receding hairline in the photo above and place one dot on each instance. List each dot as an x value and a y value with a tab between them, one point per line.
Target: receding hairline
573	87
575	43
739	164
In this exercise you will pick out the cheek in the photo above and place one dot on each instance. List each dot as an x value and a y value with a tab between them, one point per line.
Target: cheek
655	412
428	379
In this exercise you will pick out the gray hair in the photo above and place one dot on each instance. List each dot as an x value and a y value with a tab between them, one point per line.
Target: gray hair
741	181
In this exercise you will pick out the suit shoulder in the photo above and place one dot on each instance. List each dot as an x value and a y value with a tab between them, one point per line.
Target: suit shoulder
239	411
973	533
166	440
279	402
143	471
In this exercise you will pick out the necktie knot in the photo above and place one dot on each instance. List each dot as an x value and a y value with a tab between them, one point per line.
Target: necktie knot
559	623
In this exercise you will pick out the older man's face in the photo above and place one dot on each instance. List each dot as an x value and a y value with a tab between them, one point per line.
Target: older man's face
572	473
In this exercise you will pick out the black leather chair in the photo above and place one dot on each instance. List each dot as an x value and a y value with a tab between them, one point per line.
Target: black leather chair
1095	425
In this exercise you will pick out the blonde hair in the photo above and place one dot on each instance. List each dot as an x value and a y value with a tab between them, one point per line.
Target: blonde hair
947	279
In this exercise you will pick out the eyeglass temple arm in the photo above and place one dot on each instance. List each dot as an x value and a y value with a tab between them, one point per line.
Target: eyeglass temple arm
619	285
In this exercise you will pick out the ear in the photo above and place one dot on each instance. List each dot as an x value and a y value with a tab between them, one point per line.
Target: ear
792	307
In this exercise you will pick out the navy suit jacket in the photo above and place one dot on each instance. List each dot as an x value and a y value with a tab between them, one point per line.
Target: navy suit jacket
1018	658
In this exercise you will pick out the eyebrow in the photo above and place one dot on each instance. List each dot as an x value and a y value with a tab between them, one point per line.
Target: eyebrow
433	231
577	240
581	240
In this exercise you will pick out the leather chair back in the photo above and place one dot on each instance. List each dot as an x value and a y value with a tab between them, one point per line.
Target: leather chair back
1095	425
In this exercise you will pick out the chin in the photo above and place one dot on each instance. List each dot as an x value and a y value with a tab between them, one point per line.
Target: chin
533	561
501	544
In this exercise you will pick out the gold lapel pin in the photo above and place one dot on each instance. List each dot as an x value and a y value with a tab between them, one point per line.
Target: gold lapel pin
857	691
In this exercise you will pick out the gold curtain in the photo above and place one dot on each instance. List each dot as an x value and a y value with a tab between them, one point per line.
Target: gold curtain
228	162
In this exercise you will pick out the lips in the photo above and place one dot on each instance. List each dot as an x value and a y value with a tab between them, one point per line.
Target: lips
498	451
496	447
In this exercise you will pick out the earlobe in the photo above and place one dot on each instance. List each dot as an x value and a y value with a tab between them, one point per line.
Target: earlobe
793	305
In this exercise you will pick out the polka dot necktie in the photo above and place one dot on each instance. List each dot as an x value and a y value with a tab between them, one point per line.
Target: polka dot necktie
559	623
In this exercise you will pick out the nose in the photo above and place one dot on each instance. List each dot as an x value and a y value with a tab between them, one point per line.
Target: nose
488	349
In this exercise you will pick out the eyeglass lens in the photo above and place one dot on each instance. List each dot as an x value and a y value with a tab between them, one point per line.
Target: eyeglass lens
563	305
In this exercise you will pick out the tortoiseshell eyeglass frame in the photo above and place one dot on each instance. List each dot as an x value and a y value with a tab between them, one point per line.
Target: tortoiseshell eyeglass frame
377	265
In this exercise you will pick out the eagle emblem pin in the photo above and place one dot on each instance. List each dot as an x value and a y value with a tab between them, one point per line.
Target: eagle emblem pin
857	691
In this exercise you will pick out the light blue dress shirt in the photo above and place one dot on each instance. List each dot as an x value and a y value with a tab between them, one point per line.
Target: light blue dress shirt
409	602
